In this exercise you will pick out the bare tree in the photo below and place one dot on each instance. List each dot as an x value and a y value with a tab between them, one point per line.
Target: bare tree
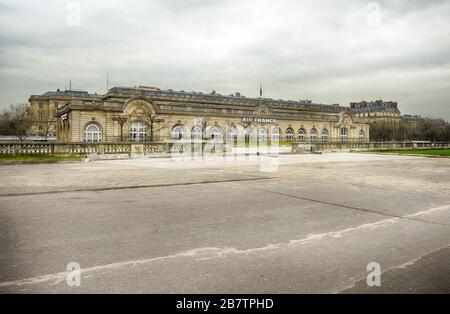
18	120
4	125
203	125
121	120
247	126
155	123
410	131
48	120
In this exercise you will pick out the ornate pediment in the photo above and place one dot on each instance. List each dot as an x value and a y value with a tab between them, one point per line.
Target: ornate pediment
138	108
345	119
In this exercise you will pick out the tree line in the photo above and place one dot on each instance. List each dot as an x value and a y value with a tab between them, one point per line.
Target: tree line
425	130
16	121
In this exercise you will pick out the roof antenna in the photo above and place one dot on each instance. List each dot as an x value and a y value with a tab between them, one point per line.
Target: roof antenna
70	84
107	82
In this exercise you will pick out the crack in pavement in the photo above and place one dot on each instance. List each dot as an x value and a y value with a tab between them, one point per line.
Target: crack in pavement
406	217
135	187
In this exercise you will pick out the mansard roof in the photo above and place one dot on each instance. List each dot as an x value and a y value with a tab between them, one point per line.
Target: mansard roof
68	94
375	106
127	92
182	96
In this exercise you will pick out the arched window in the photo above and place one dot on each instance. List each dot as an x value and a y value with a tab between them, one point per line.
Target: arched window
231	134
92	133
215	133
197	133
344	134
362	136
275	135
289	135
262	135
313	135
324	135
138	132
178	132
301	135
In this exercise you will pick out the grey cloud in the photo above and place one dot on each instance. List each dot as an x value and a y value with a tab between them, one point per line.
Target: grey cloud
323	49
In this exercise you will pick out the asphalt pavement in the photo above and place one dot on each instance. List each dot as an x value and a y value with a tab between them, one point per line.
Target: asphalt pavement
288	224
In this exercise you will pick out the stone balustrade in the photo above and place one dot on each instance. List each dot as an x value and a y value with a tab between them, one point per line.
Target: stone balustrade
31	148
26	148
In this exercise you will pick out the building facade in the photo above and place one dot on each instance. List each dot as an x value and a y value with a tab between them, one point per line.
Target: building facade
143	114
420	119
377	111
43	109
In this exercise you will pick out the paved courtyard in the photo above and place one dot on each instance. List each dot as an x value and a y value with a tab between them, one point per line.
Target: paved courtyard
293	224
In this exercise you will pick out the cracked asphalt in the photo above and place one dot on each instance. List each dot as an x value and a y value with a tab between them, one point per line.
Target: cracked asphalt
293	224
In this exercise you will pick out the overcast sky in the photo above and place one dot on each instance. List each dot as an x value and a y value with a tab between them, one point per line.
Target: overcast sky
327	51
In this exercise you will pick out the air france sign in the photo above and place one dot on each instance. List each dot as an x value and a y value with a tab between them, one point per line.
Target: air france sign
258	120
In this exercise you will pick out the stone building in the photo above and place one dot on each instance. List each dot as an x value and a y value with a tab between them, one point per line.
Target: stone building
146	113
420	119
377	111
411	118
43	109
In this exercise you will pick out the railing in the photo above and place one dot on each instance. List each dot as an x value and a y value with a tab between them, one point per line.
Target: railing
116	148
26	149
151	148
84	148
33	148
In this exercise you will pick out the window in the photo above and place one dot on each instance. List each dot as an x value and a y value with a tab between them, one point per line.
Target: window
324	136
313	135
231	134
138	131
92	133
301	135
262	135
178	132
362	136
215	133
275	135
344	134
289	135
197	133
